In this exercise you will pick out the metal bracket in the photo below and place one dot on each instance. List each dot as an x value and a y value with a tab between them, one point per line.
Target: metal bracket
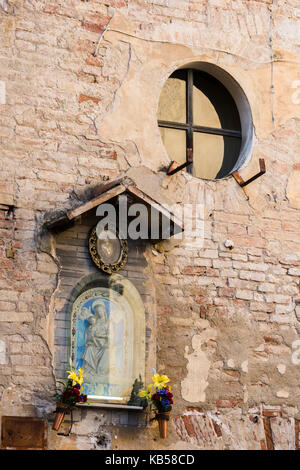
71	425
243	183
172	169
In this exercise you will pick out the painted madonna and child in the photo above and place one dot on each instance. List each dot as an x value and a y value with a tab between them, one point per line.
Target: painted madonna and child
102	345
95	358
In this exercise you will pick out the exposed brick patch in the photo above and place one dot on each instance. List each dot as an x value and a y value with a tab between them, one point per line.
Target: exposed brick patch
199	271
230	403
207	429
271	413
196	409
199	429
268	433
217	428
69	10
189	426
96	27
273	340
83	98
94	61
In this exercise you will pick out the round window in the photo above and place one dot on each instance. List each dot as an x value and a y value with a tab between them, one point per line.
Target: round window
204	113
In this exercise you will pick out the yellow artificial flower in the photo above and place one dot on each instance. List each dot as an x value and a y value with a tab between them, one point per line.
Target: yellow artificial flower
76	379
80	376
72	376
146	393
160	381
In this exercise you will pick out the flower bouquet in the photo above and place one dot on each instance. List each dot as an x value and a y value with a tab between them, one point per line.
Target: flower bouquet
159	395
68	398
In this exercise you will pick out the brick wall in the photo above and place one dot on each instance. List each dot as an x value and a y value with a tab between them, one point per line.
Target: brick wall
82	83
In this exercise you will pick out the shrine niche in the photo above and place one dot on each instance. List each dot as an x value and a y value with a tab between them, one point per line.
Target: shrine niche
100	323
108	339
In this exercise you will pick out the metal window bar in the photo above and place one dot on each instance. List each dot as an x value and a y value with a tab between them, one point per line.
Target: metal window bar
190	128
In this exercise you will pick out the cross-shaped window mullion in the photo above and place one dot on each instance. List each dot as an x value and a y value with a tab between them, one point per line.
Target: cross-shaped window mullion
202	129
189	126
189	116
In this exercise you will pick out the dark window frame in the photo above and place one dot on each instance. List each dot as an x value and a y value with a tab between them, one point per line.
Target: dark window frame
189	126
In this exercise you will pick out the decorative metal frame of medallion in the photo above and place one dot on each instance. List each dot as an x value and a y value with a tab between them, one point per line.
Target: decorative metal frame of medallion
116	249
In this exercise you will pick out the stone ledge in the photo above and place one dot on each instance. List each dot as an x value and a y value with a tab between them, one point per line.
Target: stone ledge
109	405
111	414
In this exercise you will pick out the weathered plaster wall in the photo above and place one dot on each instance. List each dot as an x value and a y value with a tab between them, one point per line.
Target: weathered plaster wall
82	83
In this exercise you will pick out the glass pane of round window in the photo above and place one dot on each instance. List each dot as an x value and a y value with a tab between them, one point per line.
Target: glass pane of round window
172	103
197	115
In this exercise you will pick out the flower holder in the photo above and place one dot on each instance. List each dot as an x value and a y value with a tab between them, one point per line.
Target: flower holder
61	410
68	398
162	400
163	418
